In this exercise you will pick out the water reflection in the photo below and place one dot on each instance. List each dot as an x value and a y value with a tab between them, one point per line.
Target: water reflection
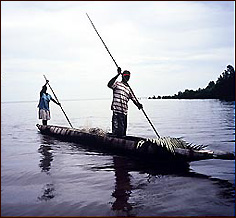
48	192
45	164
125	199
47	158
123	186
226	189
124	204
123	167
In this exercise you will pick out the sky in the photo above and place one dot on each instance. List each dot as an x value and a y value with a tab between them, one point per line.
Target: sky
167	46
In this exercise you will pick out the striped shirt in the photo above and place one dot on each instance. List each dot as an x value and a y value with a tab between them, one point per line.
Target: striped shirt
121	96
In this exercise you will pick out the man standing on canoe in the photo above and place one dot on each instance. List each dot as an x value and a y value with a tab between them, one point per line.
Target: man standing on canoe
44	111
121	96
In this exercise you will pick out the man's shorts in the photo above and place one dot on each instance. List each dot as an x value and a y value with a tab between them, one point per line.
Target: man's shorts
44	114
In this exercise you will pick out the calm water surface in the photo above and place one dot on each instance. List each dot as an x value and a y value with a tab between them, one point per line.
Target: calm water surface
41	176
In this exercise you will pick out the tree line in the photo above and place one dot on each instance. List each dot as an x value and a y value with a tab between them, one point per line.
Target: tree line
223	88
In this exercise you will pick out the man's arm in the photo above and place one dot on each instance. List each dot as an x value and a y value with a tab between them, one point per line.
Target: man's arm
111	82
135	101
55	101
42	90
140	106
44	87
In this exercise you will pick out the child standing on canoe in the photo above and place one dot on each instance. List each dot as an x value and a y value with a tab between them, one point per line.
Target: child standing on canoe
44	111
121	96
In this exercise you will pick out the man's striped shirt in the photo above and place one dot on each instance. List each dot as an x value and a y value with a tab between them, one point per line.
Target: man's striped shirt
121	96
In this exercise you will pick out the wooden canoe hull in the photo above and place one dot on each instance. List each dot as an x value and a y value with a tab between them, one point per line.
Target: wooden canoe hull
137	146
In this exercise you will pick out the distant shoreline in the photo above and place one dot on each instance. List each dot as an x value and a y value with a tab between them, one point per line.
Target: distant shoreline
223	89
144	98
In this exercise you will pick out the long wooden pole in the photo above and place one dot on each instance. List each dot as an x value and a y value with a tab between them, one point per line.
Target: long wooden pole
58	101
102	40
127	83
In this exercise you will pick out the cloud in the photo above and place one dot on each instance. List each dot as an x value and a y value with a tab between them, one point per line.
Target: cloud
168	46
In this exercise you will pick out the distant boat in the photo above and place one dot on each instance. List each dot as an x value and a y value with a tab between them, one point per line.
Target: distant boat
158	150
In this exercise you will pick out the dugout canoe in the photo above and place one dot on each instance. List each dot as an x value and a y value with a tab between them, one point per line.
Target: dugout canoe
156	149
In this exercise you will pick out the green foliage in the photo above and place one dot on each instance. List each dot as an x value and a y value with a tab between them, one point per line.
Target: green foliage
223	88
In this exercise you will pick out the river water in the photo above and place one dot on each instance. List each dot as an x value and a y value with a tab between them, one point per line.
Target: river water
42	176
